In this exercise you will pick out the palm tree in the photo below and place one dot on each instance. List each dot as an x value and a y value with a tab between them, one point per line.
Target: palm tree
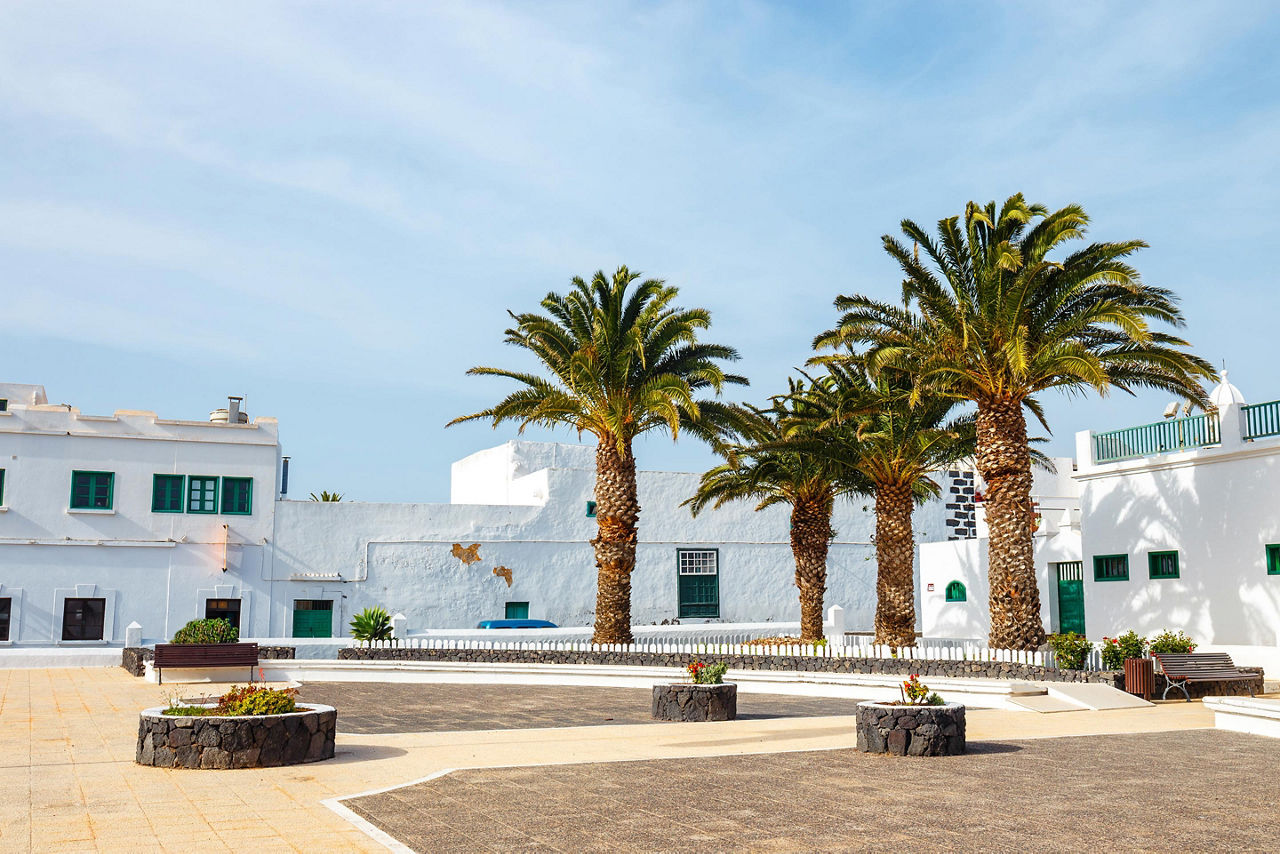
895	445
988	317
619	360
779	459
326	496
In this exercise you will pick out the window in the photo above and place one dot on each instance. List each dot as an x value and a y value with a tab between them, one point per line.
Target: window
223	609
6	608
1273	560
237	496
591	509
698	582
1	487
202	494
956	592
91	490
1162	564
517	611
82	619
166	493
4	405
1110	567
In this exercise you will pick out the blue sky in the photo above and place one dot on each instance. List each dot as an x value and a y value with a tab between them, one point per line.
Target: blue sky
328	207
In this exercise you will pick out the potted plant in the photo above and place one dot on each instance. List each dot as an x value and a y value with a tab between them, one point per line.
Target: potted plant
921	723
248	727
705	697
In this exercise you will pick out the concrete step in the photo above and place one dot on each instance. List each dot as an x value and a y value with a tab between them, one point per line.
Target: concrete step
1044	704
1093	695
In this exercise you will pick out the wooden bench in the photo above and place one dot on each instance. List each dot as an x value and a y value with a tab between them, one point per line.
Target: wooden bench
205	655
1181	669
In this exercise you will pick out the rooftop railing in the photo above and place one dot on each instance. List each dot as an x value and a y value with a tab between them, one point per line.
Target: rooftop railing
1178	434
1261	419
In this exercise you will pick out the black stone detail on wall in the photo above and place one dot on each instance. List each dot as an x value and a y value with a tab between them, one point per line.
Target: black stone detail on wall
894	666
911	730
685	701
223	742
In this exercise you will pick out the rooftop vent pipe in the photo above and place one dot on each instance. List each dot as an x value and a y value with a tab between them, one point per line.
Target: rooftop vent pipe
230	415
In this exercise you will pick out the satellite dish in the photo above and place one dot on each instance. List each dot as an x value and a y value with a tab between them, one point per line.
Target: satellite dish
1171	410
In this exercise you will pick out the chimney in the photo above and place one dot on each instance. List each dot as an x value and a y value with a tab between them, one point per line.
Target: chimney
284	476
233	409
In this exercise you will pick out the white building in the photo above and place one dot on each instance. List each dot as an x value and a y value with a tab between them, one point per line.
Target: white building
107	520
1178	528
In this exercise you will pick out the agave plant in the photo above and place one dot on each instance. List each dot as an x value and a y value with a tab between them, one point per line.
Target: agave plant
326	496
371	624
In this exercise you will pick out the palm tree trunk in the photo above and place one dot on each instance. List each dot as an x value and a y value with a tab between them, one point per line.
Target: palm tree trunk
810	538
1004	461
895	566
617	512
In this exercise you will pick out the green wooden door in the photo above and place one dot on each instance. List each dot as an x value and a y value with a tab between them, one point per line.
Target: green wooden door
312	618
1071	597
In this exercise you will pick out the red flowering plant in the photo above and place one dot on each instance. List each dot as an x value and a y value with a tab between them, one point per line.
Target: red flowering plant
706	674
916	693
1115	650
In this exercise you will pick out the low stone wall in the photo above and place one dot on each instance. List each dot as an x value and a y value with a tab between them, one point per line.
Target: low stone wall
134	658
262	741
893	666
685	701
911	730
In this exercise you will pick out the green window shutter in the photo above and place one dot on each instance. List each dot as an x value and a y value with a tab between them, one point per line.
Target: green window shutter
166	493
92	490
1	487
517	611
1273	559
237	496
1162	564
312	618
1111	568
956	592
591	509
202	494
698	582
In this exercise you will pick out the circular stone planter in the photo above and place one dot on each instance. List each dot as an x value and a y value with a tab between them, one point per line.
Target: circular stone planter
258	741
911	730
688	701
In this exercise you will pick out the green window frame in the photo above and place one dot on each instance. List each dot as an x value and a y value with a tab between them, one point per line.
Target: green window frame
1273	559
956	592
167	493
591	509
237	496
92	490
698	583
1163	564
1	487
516	611
1110	567
202	494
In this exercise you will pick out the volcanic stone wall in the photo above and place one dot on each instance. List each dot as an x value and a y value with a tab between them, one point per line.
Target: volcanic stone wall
261	741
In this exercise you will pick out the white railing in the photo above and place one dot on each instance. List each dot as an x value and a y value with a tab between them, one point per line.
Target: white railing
854	647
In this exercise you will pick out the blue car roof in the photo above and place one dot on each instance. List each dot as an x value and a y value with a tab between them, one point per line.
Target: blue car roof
515	624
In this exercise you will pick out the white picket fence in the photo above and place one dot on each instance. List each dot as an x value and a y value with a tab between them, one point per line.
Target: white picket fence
854	647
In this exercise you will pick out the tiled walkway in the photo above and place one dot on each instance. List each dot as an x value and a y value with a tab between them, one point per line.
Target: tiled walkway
68	781
1204	791
373	707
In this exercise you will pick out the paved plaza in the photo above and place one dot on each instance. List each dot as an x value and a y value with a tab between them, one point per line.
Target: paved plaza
1147	792
68	781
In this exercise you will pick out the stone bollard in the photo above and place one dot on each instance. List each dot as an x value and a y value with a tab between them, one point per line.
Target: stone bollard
399	626
133	635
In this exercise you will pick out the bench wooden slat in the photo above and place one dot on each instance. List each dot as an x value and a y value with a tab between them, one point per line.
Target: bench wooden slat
206	655
1182	669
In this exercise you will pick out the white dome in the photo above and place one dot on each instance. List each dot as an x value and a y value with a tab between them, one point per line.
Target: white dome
1224	394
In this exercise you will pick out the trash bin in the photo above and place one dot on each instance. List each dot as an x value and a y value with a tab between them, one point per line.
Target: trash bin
1140	677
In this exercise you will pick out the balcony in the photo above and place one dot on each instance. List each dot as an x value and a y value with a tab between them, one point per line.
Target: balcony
1162	437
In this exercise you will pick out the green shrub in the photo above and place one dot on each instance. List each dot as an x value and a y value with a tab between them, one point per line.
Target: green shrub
1071	650
1116	650
371	624
240	702
1172	642
707	674
207	631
